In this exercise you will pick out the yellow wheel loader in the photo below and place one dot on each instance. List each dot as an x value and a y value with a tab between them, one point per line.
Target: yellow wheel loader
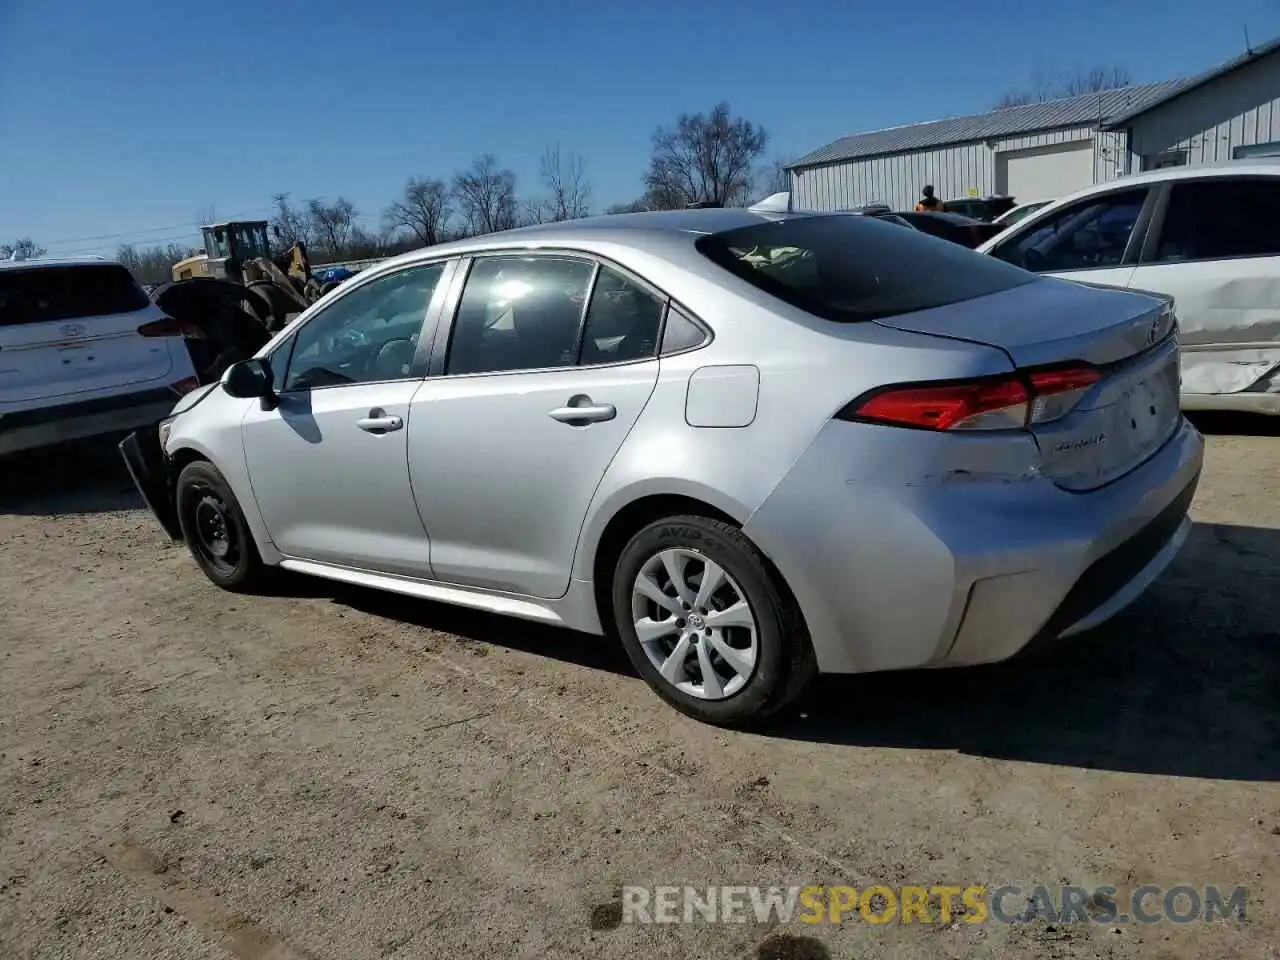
239	252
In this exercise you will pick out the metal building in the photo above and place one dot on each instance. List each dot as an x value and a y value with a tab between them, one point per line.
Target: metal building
1046	150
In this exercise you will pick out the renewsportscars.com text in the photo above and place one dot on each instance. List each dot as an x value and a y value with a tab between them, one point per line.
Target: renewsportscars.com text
876	904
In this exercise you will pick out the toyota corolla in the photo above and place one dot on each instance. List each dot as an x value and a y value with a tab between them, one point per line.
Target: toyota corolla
752	446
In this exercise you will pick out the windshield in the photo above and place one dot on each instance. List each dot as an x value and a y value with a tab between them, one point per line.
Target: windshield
216	245
849	268
252	241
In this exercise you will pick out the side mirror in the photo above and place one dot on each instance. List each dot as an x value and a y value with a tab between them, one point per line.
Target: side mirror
249	379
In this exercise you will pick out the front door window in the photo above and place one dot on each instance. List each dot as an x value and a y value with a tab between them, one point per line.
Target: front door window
1088	235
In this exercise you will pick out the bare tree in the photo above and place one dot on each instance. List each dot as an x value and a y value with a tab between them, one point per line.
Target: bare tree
635	206
775	178
207	214
25	248
1047	86
290	224
153	264
566	183
537	210
1094	80
704	158
424	210
332	224
486	196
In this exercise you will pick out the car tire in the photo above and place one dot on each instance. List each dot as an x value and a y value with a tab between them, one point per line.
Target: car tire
774	652
215	530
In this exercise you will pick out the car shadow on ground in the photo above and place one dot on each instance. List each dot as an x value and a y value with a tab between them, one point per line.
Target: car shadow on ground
1236	424
569	646
78	478
1185	682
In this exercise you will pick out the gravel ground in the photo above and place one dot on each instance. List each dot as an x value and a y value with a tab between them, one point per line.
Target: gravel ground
333	773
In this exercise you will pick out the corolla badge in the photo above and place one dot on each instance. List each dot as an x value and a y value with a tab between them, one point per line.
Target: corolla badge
73	330
1080	443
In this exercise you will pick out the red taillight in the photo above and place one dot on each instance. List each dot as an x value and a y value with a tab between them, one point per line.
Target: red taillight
992	403
185	385
171	328
1062	380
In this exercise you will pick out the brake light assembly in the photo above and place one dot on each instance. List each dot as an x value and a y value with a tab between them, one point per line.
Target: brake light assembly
1007	402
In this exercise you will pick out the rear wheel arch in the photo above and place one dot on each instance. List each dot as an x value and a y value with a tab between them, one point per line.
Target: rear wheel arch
625	524
634	517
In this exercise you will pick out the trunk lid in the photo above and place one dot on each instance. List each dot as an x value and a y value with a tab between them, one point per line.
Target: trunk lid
68	330
1117	423
1050	321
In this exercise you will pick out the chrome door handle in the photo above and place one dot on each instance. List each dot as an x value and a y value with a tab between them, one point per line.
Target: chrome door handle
586	413
379	422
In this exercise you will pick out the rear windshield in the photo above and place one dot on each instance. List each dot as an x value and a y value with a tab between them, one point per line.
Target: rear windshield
850	268
43	294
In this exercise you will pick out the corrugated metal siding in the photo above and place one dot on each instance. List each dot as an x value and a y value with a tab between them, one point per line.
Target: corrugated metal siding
953	171
895	180
1111	158
1090	109
1239	109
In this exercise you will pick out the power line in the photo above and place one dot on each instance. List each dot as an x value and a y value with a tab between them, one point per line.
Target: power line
136	233
137	237
156	242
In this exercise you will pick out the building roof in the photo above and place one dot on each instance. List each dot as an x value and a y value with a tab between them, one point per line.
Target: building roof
1266	49
1092	108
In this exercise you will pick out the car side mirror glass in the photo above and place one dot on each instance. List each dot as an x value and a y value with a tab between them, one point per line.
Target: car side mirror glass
248	379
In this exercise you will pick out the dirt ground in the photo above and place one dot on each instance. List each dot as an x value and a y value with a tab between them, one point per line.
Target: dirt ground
332	773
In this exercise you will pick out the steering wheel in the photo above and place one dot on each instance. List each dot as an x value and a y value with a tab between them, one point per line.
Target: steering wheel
392	360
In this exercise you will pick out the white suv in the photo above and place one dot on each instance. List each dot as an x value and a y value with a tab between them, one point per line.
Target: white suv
83	352
1208	237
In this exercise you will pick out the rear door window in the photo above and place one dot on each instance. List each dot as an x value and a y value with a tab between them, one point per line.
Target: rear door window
51	294
1220	218
1088	235
622	321
850	268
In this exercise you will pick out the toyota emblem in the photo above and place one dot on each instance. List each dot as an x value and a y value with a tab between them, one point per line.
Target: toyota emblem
72	330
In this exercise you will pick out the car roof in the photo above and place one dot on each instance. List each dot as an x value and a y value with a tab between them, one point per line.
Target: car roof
38	262
1262	166
631	229
945	215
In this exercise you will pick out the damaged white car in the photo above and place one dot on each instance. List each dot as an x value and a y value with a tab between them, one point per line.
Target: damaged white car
1207	236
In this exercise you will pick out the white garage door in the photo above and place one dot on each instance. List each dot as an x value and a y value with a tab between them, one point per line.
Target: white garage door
1043	173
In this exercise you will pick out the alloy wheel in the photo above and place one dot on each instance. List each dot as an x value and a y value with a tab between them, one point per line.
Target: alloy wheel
694	624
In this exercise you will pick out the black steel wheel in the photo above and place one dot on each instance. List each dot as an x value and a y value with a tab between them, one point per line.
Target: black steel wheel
215	530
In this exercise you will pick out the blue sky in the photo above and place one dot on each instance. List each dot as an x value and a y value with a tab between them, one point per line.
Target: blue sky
131	118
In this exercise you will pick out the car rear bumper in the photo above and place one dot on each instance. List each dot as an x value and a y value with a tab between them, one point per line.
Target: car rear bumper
47	426
149	469
943	571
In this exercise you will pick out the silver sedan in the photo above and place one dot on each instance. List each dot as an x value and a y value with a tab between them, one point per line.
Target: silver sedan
752	446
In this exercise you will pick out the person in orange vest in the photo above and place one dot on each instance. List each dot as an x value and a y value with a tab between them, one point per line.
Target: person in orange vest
928	202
